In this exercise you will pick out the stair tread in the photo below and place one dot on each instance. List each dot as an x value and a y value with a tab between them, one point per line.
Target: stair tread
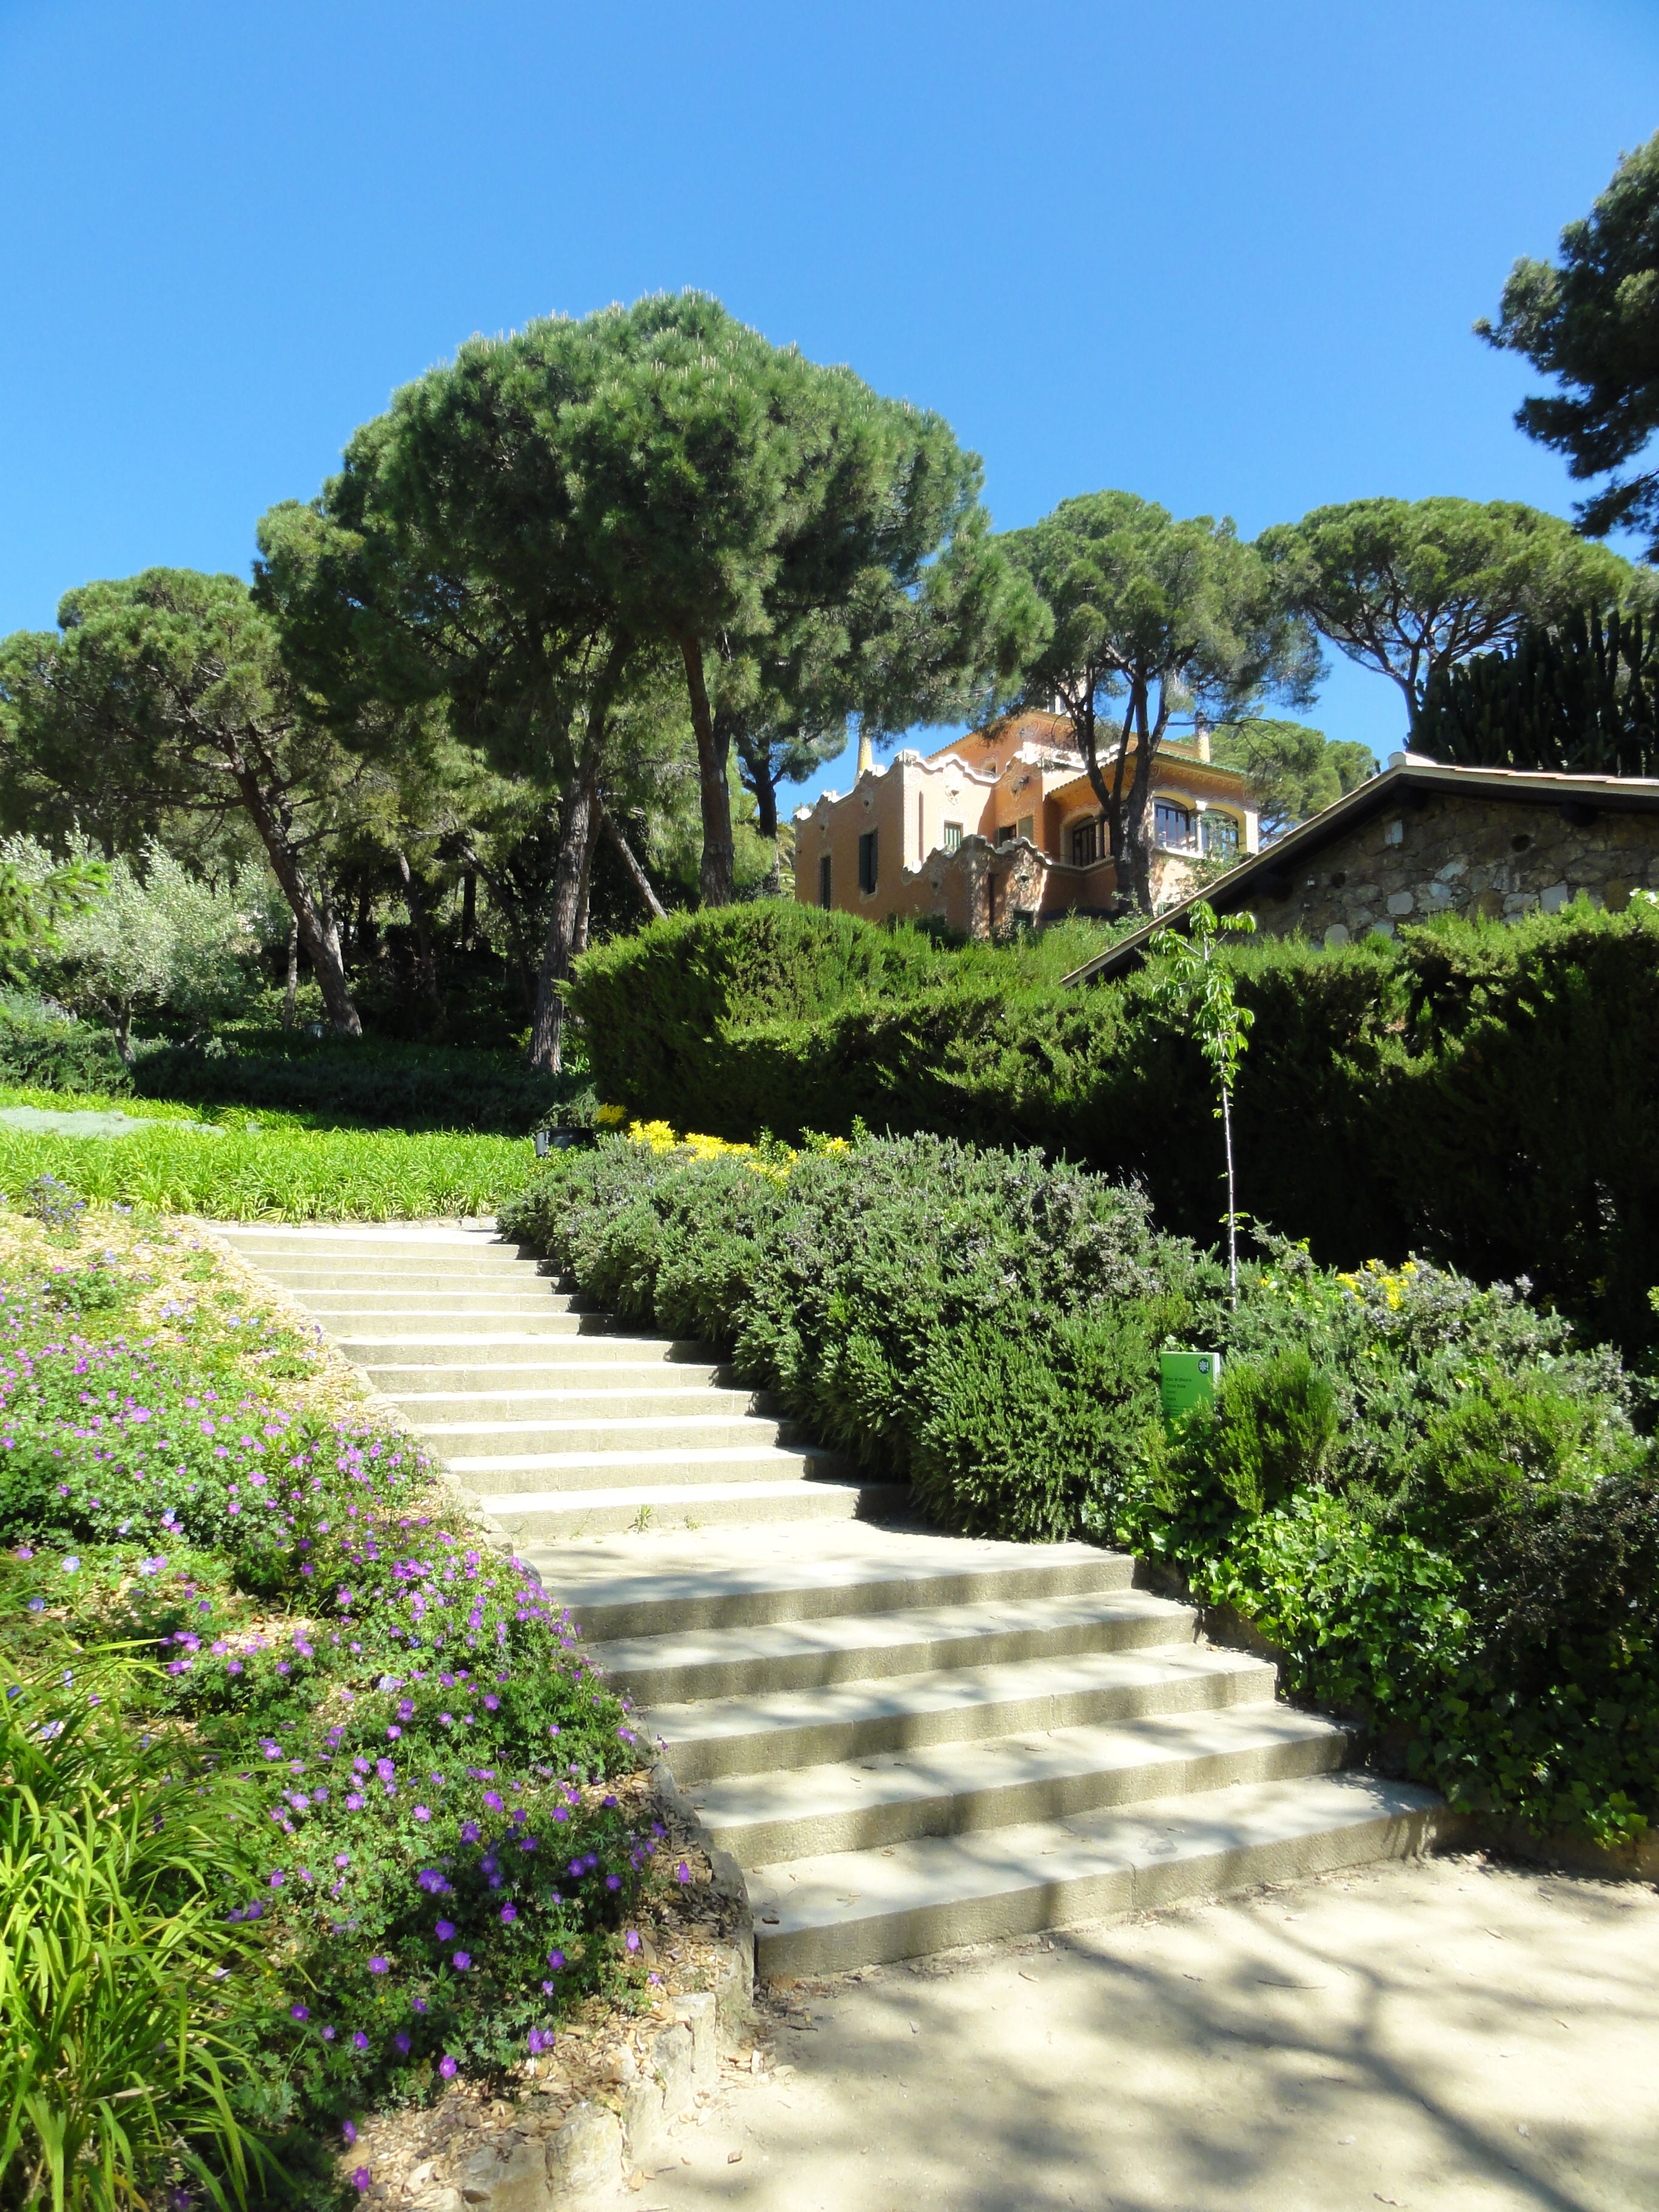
943	1770
511	1503
620	1424
944	1690
672	1567
779	1641
934	1870
692	1456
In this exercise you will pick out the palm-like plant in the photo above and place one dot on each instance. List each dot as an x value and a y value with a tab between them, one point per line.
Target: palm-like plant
118	1988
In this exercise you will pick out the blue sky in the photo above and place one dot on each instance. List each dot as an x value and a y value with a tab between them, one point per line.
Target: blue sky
1223	255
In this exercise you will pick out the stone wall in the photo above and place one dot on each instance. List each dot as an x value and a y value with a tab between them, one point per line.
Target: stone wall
1443	853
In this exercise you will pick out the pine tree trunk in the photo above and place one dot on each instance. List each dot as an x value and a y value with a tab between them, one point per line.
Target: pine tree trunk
291	996
312	915
426	967
469	909
636	874
716	879
580	821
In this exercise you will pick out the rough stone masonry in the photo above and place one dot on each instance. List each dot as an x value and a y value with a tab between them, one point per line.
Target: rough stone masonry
1446	852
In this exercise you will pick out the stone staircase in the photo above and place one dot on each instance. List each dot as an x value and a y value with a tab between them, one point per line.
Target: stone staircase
906	1741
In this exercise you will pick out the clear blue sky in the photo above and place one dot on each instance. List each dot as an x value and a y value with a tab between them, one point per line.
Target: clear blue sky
1223	255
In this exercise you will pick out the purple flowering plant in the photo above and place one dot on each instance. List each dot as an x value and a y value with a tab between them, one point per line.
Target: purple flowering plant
413	1711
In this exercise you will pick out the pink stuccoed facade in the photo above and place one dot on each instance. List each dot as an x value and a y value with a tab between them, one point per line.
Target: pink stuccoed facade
1002	828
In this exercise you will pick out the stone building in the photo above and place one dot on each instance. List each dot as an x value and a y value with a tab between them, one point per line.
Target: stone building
1002	827
1424	839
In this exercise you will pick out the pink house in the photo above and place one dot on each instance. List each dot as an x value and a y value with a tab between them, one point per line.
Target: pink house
1002	827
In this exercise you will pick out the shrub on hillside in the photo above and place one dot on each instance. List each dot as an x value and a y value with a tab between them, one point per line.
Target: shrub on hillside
880	1291
43	1047
1389	1448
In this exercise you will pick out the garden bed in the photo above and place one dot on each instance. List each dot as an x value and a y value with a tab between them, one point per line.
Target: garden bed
411	1842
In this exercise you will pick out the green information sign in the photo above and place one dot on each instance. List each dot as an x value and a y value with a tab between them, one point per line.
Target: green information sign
1188	1379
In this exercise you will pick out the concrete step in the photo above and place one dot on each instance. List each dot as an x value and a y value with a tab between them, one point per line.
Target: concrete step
550	1401
744	1578
411	1242
352	1280
827	1914
447	1326
549	1516
464	1303
710	1430
952	1705
951	1790
408	1380
503	1473
809	1654
489	1347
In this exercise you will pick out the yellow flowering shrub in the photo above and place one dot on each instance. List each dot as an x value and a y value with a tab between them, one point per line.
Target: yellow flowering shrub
772	1160
1375	1281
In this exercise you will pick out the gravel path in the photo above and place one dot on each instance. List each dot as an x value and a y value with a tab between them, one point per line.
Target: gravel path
1432	2033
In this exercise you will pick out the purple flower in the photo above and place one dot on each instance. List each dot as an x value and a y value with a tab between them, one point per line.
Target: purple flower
377	1965
360	2177
556	1960
422	1812
360	2039
510	1913
276	1879
300	2012
469	1831
633	1939
462	1960
446	2066
348	2131
446	1929
400	2043
492	1703
682	1872
328	2035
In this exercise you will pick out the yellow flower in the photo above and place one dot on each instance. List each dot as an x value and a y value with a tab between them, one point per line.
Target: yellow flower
611	1117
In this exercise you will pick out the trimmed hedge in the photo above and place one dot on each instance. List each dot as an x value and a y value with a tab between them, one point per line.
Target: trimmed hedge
1486	1093
1440	1508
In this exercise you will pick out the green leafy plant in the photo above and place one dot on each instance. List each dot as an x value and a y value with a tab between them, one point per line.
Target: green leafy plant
121	1982
1188	979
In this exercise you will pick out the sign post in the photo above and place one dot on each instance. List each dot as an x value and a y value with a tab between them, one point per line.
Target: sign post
1187	1381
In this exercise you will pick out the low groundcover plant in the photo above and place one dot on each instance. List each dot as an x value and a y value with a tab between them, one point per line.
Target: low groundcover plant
441	1848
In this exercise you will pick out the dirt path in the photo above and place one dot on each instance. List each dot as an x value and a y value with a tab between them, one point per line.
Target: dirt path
1426	2034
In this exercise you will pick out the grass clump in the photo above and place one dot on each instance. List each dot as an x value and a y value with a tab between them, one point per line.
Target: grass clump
254	1174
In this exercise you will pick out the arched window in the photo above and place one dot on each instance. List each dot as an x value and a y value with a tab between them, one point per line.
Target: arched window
1172	825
